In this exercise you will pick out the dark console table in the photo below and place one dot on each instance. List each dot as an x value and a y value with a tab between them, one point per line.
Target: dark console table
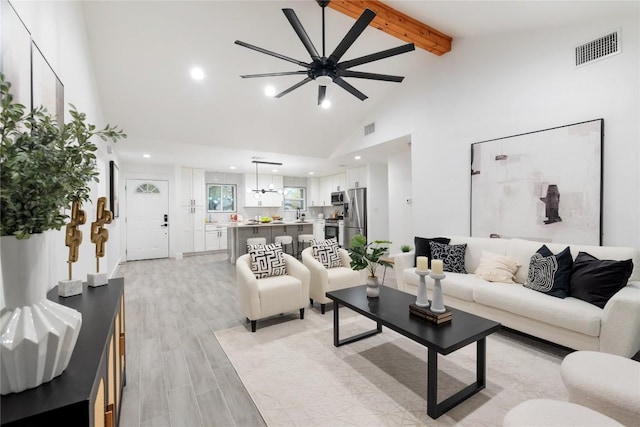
89	391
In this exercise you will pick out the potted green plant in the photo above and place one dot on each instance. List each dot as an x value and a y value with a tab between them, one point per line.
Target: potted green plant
368	256
405	248
44	167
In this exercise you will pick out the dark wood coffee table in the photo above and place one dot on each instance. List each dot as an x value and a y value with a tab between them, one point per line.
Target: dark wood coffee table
391	309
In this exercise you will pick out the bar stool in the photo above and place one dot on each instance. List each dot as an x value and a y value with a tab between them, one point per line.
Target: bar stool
303	240
285	241
256	241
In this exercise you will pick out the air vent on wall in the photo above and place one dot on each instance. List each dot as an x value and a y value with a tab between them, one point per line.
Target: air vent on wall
599	48
369	129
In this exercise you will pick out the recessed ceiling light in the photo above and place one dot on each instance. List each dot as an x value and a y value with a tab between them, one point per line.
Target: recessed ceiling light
274	170
357	157
311	173
270	91
232	167
325	103
146	156
197	73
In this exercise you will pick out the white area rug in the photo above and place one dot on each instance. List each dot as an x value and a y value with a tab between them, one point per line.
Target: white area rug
298	378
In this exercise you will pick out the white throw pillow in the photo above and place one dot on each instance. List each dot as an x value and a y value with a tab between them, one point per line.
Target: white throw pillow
327	253
496	268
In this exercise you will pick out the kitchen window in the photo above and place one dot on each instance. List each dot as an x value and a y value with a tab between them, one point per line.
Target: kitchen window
221	197
295	198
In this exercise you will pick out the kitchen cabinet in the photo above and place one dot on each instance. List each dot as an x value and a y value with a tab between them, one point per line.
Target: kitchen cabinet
318	229
215	238
330	184
357	177
313	193
89	391
339	182
192	210
266	199
192	187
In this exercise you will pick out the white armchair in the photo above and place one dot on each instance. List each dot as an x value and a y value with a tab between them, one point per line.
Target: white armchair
269	296
324	279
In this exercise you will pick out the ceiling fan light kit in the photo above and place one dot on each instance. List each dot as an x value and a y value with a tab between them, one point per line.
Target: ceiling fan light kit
330	69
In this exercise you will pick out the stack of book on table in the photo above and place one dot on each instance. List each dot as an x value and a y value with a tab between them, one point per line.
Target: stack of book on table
429	315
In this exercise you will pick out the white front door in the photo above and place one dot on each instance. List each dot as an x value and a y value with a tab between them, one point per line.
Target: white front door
147	219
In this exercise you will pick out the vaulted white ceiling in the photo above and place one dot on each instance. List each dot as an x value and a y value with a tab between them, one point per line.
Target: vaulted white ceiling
143	52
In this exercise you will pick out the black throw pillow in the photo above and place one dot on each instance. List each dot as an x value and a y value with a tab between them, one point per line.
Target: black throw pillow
596	281
549	273
423	248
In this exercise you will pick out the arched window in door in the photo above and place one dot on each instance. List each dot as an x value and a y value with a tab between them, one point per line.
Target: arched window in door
148	188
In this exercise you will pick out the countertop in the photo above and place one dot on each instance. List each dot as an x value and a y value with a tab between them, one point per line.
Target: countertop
268	224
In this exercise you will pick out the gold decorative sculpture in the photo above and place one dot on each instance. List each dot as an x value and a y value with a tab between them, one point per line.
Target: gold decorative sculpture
74	234
73	239
99	234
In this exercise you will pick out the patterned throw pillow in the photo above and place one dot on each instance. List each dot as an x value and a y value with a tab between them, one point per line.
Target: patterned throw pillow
549	273
452	256
267	260
327	253
424	249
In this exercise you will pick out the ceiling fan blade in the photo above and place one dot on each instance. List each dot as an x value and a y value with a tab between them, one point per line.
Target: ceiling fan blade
268	52
322	92
371	76
295	86
352	90
302	34
286	73
377	56
355	31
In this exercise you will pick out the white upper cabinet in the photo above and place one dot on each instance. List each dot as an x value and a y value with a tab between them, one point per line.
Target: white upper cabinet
339	182
313	193
330	184
193	187
357	177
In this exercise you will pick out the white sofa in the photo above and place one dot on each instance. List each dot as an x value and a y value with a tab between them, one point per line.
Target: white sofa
570	322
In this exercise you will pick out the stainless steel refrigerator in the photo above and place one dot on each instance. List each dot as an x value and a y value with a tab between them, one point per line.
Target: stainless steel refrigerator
355	214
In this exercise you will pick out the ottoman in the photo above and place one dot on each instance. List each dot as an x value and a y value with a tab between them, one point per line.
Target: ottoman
604	382
549	413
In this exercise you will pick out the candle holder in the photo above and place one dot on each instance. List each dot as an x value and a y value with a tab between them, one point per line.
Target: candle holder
437	303
422	300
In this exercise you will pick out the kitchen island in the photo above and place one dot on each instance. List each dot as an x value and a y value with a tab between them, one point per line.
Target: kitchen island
238	233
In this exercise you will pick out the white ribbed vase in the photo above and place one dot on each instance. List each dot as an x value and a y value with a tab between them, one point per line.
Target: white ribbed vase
38	335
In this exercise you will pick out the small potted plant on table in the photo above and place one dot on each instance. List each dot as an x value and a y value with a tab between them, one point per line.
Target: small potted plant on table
369	256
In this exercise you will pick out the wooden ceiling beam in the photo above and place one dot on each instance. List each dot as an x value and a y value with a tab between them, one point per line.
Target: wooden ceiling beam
397	24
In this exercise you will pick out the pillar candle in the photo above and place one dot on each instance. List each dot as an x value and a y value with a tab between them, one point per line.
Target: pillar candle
436	266
422	263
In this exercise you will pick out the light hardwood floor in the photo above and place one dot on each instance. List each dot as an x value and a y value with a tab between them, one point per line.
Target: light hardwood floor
177	374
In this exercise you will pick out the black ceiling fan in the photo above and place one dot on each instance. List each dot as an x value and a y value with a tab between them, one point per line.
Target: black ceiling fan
330	67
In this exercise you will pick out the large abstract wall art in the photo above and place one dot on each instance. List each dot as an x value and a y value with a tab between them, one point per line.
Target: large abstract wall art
544	185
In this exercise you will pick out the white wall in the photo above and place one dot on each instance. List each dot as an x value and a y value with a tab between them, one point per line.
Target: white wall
401	230
377	202
498	86
58	30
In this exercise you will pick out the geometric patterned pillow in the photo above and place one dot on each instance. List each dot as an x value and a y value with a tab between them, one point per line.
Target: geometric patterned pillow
550	273
452	256
267	260
326	252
